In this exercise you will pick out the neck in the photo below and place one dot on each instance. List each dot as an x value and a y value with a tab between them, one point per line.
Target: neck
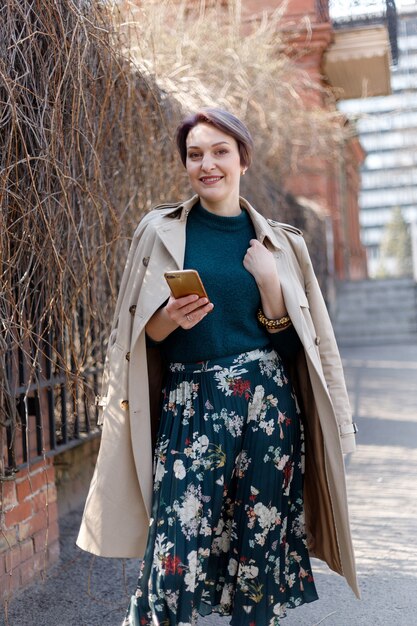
225	208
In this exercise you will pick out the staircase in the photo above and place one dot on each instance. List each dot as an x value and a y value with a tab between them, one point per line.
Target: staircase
376	312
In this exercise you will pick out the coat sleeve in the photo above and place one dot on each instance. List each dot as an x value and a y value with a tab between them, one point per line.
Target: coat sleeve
124	289
329	352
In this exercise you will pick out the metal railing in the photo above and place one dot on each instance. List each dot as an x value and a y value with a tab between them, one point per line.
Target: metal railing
54	403
353	13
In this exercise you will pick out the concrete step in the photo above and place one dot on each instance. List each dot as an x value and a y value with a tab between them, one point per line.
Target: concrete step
391	302
371	317
376	285
352	341
376	312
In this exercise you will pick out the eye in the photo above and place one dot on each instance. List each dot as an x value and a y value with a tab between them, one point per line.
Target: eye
194	155
221	151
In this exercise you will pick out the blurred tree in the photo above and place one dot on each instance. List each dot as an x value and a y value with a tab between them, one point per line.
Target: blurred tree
396	254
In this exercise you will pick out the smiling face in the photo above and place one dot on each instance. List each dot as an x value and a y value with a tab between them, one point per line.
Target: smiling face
214	169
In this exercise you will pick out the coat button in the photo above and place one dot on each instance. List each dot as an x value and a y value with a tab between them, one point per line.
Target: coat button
132	309
317	341
127	356
124	404
145	261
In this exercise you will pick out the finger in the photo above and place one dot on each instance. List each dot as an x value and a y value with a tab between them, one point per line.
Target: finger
175	306
179	303
197	304
194	317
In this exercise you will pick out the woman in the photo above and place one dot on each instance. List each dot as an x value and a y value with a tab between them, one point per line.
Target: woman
240	457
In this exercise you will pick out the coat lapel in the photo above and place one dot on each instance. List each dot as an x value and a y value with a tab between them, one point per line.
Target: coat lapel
294	296
172	233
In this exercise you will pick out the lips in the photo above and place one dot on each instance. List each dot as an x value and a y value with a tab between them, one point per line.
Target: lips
210	180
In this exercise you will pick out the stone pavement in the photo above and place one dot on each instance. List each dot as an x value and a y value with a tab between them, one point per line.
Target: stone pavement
382	483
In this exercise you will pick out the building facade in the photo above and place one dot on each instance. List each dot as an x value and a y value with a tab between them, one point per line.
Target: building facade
330	186
387	128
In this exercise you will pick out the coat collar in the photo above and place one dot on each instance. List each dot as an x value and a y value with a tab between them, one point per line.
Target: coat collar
172	232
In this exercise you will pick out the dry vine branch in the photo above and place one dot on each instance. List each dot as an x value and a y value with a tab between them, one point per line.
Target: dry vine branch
77	125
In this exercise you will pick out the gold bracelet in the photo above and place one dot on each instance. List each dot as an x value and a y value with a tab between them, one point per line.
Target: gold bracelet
280	324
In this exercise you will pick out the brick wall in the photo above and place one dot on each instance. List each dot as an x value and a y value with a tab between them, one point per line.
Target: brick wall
28	526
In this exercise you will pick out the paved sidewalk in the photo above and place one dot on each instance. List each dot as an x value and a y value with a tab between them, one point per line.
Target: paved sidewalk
382	484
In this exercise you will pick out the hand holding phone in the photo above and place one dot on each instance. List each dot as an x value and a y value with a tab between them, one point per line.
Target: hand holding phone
188	305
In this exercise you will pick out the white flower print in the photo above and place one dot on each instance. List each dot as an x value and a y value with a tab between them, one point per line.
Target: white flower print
283	530
298	525
191	575
159	473
269	427
179	470
248	571
159	462
279	609
267	517
232	421
177	367
162	548
242	463
205	528
268	363
282	462
260	539
254	355
172	599
234	424
195	568
183	395
255	405
232	567
226	376
258	408
227	594
278	378
272	400
200	445
221	542
188	509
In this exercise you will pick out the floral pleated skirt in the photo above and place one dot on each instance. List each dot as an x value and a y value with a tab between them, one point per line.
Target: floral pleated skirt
227	528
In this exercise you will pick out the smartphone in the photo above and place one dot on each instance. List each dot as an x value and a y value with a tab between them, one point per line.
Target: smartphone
184	283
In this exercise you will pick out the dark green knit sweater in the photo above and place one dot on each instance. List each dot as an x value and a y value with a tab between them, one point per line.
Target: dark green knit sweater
215	246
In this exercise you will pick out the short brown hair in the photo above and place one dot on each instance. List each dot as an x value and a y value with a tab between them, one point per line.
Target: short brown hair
224	121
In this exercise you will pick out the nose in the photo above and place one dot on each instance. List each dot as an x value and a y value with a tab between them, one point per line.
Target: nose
207	162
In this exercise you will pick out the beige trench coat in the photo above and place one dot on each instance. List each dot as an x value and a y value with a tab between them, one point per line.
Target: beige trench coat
116	516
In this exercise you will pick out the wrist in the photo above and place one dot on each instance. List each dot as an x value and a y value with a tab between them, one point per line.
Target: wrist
273	324
268	282
160	325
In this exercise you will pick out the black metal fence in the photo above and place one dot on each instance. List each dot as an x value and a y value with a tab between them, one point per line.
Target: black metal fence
51	402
